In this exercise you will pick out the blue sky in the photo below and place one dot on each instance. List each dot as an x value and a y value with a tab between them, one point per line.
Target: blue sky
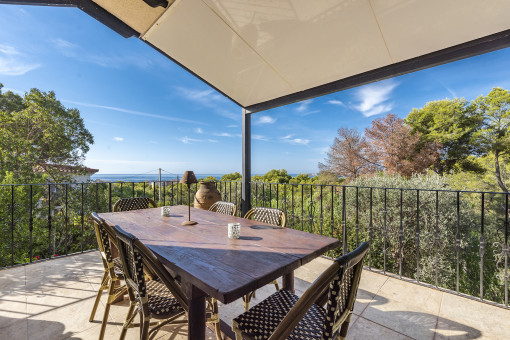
146	112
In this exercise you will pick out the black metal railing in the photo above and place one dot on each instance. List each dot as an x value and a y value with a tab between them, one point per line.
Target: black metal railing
454	240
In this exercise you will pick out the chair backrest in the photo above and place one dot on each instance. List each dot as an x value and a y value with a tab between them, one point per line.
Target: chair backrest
267	215
225	208
103	240
136	257
135	203
339	283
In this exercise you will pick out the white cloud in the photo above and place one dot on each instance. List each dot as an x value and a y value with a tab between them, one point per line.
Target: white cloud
13	63
210	99
298	141
136	113
125	161
265	120
118	139
232	126
373	98
117	61
212	141
336	102
226	134
199	130
187	140
153	142
303	106
260	137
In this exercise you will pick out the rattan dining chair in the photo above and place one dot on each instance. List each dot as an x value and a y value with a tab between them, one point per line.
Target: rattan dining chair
113	271
161	299
135	203
284	315
225	208
270	216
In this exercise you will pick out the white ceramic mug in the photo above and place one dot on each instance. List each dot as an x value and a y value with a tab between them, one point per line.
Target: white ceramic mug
165	211
234	230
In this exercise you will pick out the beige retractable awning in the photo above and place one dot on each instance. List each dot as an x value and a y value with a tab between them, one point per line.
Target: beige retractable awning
255	51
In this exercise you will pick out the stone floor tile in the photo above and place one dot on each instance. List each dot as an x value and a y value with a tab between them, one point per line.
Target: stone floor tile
15	328
13	307
59	323
465	318
12	280
54	273
364	329
426	299
402	318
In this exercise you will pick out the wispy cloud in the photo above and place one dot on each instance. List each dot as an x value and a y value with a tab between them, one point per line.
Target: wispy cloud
336	102
265	120
210	99
187	140
303	106
298	141
117	61
232	126
212	141
199	130
153	142
118	139
226	134
136	113
132	162
373	99
13	62
260	137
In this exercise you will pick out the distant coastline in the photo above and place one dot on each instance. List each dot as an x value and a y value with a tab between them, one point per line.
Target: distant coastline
148	177
143	178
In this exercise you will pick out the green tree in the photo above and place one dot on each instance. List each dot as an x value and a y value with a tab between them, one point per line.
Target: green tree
494	136
273	176
37	129
236	176
451	123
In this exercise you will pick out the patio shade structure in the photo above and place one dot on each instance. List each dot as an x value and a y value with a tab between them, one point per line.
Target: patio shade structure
263	54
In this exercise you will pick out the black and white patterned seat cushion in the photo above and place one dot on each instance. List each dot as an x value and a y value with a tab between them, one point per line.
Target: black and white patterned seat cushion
162	304
261	320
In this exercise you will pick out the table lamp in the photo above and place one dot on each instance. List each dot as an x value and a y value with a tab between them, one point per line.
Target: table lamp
188	178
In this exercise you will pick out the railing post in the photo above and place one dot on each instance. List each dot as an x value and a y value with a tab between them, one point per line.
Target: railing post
344	223
246	188
418	235
401	234
31	221
457	242
82	212
482	243
12	225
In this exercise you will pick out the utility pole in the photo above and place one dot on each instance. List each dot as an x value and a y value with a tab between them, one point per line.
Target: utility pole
160	184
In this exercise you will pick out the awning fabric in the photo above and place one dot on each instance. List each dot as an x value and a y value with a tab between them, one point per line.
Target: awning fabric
266	53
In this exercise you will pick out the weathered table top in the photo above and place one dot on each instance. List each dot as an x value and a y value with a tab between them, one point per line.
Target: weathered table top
204	256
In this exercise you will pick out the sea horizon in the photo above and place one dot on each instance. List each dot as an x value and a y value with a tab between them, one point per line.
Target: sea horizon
150	177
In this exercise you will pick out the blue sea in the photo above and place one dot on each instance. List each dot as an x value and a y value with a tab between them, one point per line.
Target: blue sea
143	178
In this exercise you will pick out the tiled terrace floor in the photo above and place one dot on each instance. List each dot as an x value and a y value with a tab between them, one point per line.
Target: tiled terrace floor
53	299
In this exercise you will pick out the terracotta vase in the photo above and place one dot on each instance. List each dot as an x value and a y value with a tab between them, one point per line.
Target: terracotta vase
206	196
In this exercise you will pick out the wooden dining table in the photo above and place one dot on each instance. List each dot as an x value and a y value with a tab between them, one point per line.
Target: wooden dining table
211	264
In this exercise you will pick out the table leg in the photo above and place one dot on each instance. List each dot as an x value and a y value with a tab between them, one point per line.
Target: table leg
288	281
196	313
